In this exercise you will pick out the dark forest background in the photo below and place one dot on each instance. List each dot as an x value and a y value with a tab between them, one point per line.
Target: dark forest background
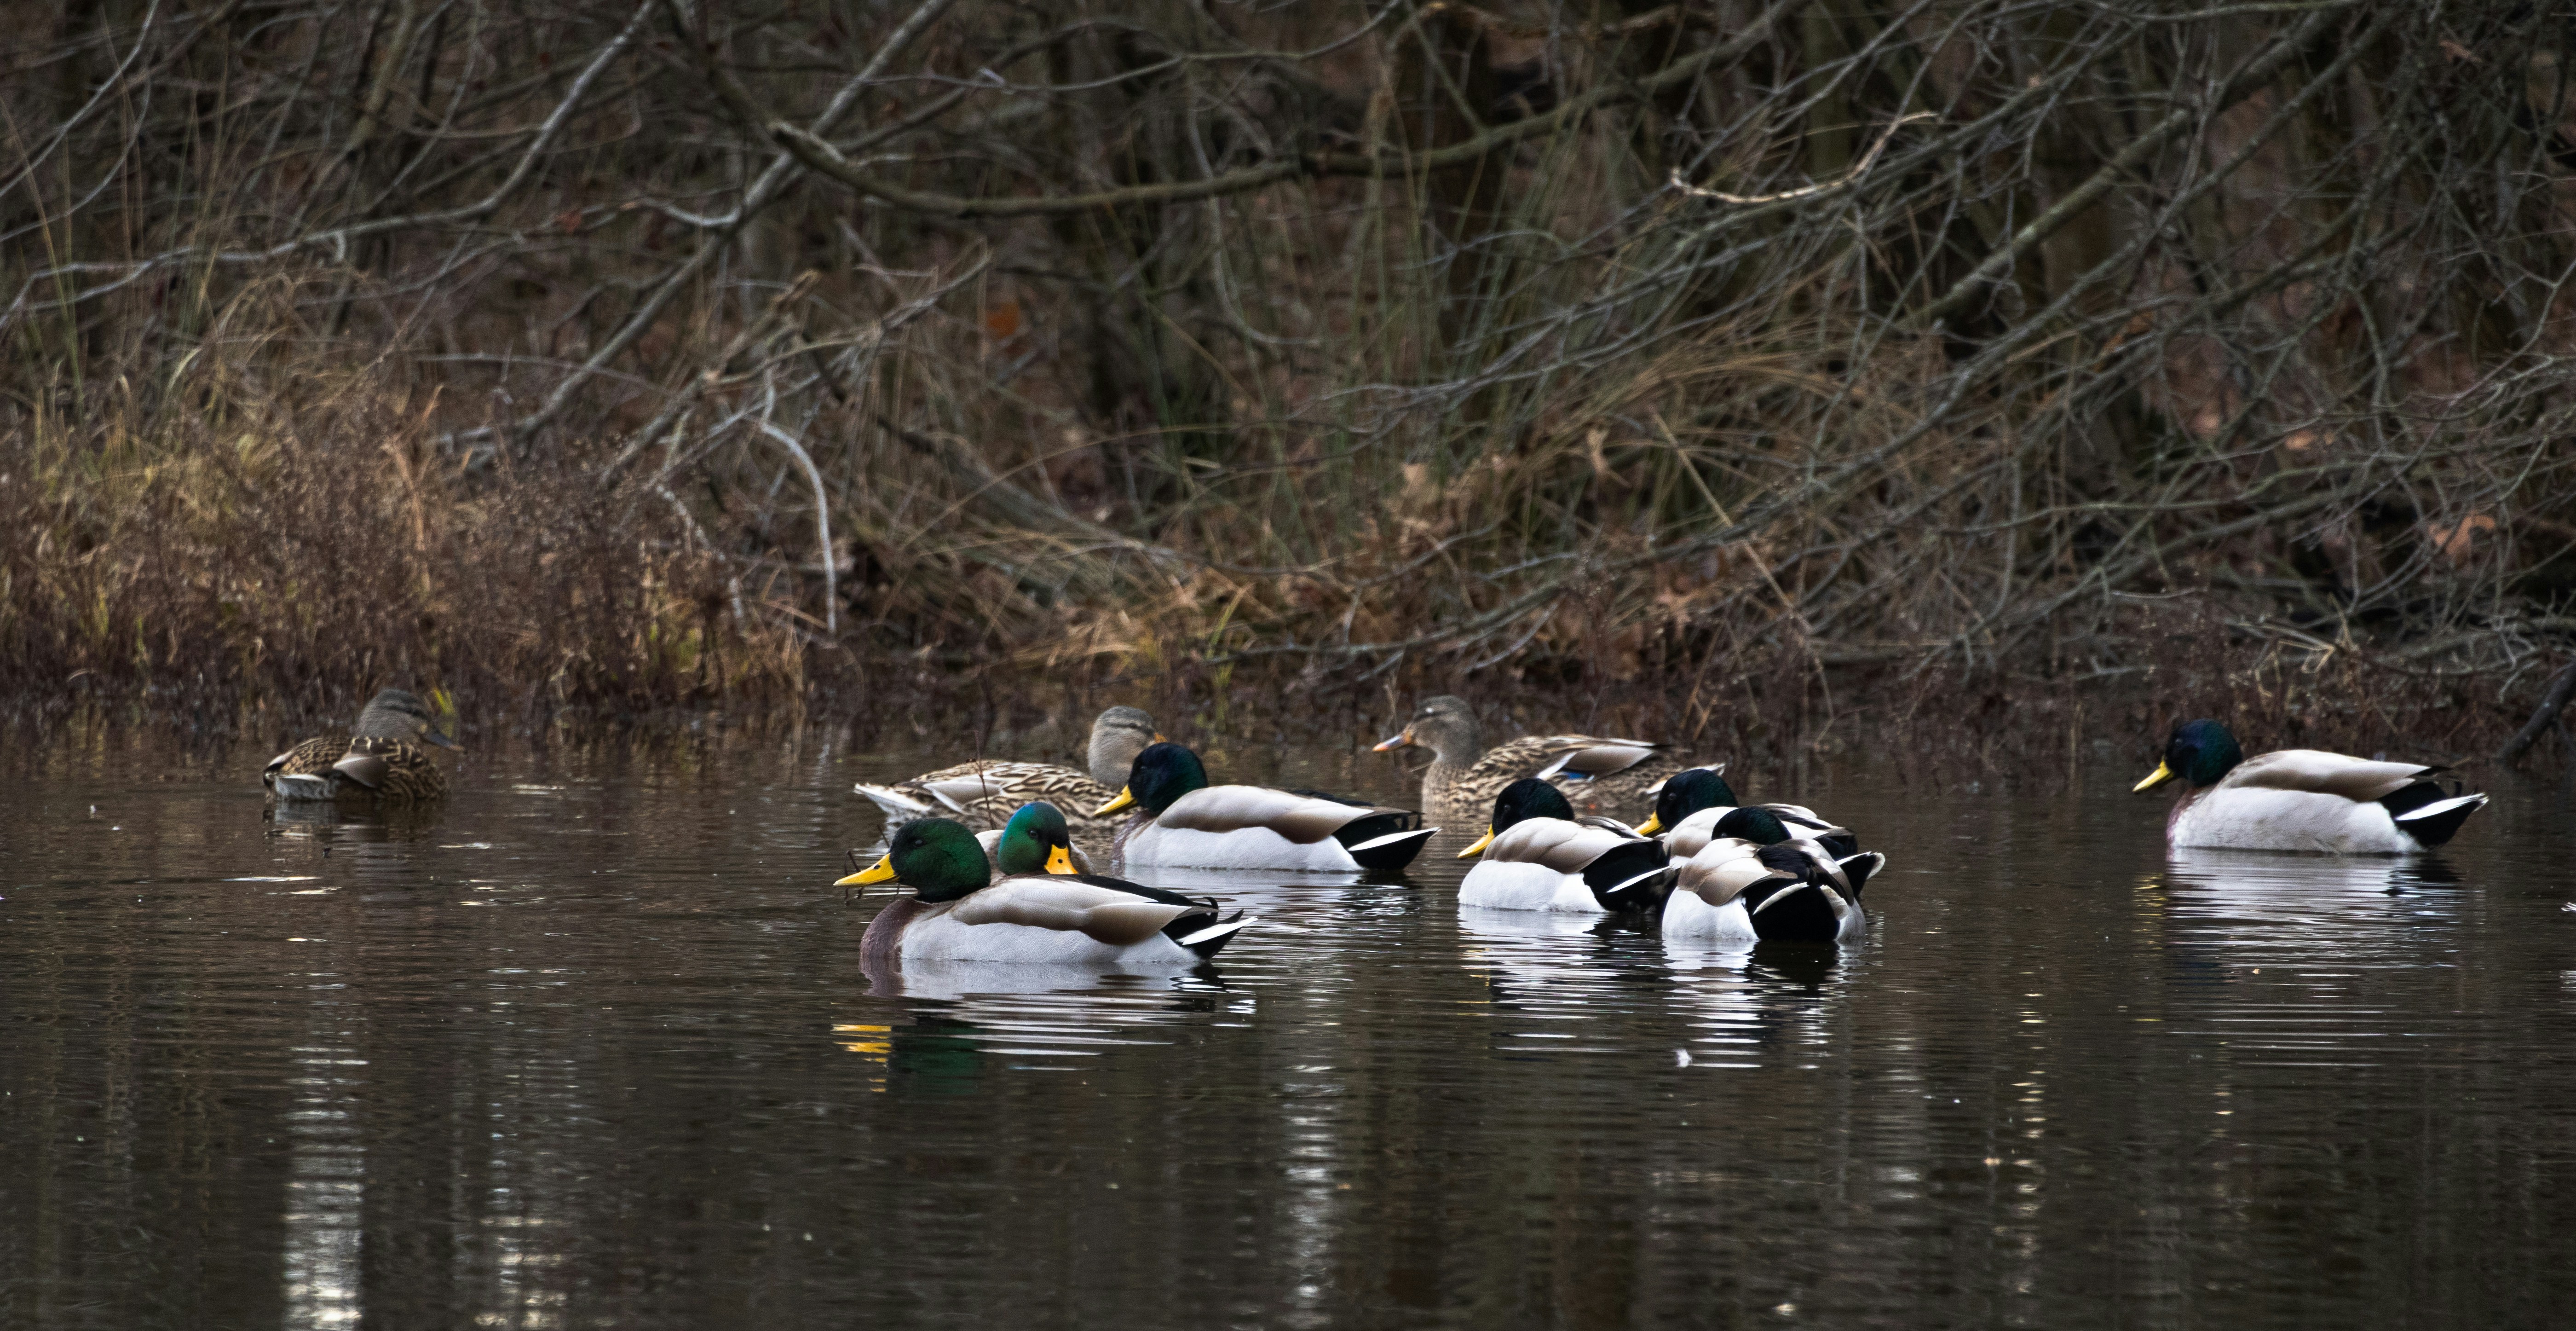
1782	373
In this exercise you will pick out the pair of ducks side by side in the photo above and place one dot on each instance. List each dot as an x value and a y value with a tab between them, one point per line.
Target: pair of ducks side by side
1044	907
1181	819
1719	870
381	760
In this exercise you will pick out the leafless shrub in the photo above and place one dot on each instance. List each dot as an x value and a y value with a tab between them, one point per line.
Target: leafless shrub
1736	359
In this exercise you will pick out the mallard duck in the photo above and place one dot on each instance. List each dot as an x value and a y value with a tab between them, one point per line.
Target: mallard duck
1689	807
378	760
1536	855
1036	840
985	792
1183	822
2302	799
960	912
1752	882
1465	776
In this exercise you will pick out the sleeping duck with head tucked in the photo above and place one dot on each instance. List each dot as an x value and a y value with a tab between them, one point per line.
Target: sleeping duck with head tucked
1752	882
2302	799
960	912
1182	822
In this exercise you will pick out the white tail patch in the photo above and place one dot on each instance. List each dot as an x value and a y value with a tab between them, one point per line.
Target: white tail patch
1656	872
891	800
1215	931
2439	807
303	786
1395	838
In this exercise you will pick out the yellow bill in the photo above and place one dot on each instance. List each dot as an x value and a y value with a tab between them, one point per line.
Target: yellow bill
1654	823
1060	860
1396	743
1477	849
2157	777
878	872
1125	798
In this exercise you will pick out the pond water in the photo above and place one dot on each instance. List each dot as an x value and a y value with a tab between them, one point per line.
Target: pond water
592	1048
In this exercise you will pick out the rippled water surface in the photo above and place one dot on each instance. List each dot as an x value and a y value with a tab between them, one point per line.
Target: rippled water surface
592	1048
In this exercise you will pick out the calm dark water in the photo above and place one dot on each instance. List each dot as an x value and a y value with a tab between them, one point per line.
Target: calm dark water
592	1049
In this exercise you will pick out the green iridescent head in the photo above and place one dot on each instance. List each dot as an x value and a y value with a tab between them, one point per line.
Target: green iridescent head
1035	841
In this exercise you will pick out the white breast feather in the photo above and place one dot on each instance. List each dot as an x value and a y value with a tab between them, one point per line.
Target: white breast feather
1156	846
1686	916
941	937
2252	818
1504	885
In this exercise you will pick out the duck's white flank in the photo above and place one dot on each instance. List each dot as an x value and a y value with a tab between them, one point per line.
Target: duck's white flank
2252	818
1501	885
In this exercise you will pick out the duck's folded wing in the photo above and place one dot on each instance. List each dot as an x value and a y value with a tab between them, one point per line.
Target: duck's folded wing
1560	845
1069	905
1300	818
367	769
957	788
2319	772
1584	758
1720	872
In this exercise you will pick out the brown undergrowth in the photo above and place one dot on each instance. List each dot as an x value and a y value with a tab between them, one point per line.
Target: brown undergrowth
1772	375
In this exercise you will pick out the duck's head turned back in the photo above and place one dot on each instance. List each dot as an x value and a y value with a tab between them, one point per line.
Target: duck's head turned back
936	857
1519	802
2201	752
1162	774
1446	726
1687	793
1755	824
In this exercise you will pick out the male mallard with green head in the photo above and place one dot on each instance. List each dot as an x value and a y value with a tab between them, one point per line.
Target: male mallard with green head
1184	822
2302	799
1690	805
1464	777
985	792
381	759
1536	855
960	912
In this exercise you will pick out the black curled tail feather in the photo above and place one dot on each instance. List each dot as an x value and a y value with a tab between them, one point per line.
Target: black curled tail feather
1633	875
1385	840
2432	822
1203	933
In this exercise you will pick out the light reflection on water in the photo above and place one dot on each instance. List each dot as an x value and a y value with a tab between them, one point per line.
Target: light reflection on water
592	1046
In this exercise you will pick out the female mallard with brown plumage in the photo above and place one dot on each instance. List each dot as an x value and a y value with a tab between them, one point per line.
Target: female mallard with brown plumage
380	760
1596	774
2302	799
984	793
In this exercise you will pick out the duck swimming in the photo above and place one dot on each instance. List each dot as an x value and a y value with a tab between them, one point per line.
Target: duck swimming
1754	883
984	793
381	759
1183	822
960	912
1465	776
1689	807
2301	799
1538	856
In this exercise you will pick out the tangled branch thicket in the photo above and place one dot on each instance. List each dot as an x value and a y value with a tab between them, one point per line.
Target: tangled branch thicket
1754	363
